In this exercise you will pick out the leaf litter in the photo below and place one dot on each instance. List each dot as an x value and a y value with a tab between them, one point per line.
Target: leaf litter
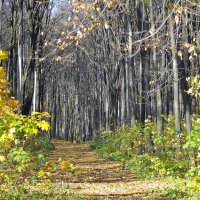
100	179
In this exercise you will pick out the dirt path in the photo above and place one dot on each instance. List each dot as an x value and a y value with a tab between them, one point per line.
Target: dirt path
98	178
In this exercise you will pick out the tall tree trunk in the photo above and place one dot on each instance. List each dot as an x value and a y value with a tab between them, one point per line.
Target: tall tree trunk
1	7
173	35
20	52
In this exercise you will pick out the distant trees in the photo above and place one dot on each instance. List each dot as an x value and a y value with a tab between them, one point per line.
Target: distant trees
25	28
122	61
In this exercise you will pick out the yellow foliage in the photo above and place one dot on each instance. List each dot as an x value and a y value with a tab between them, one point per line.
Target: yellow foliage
65	165
8	104
43	125
3	55
2	158
42	173
16	129
50	163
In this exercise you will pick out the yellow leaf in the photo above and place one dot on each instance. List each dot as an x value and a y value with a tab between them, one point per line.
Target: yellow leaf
191	49
50	163
98	9
65	165
35	113
2	158
41	173
45	126
3	55
106	25
46	114
187	45
11	136
180	54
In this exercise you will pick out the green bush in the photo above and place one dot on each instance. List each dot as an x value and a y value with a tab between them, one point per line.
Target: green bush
148	154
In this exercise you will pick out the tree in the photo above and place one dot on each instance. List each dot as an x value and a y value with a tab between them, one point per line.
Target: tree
104	64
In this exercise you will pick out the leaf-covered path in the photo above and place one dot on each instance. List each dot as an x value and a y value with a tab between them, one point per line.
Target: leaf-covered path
99	178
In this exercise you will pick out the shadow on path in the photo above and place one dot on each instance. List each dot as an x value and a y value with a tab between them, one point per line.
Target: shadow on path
98	178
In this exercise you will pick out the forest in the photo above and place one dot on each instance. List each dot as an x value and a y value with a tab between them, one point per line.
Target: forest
93	92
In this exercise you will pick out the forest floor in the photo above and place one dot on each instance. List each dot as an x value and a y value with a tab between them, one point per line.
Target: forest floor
99	178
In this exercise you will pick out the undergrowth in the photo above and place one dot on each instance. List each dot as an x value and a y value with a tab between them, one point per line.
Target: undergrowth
26	173
24	168
40	191
149	155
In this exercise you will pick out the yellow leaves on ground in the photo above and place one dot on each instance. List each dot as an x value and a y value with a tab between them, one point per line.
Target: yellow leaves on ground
49	163
53	166
49	167
42	173
65	165
100	178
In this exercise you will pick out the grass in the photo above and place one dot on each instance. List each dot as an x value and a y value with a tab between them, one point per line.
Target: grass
39	191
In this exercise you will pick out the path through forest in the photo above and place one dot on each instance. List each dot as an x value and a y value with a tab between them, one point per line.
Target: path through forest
99	178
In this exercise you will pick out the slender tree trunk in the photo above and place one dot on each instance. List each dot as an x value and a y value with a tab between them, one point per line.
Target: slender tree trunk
1	7
176	78
20	52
